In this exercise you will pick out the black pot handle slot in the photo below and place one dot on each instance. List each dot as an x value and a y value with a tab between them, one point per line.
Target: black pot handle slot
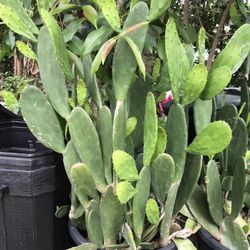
3	191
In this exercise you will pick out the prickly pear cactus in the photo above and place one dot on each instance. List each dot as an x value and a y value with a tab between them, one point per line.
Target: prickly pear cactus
58	42
214	192
157	8
110	13
203	144
14	15
195	83
45	126
162	174
132	171
86	142
111	225
218	79
140	201
177	138
177	60
219	216
124	63
236	51
150	129
52	75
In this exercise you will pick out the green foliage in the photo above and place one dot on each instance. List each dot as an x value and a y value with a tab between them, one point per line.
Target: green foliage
16	17
161	143
128	235
234	15
137	54
44	4
116	142
15	22
45	126
188	183
218	79
119	127
125	191
102	55
184	244
6	46
204	143
91	82
131	124
91	14
214	192
26	50
162	175
202	114
86	142
157	8
238	145
70	158
111	225
137	100
83	181
95	39
177	138
233	236
150	129
124	166
140	200
62	211
224	213
195	83
238	188
245	100
152	212
236	51
177	60
10	101
156	70
124	62
94	234
71	29
168	212
110	13
199	208
58	42
104	130
81	93
52	75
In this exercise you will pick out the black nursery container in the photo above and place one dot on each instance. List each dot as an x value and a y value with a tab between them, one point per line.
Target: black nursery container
208	242
78	238
32	184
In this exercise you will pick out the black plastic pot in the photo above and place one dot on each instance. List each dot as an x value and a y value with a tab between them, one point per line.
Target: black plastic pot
79	239
208	242
32	183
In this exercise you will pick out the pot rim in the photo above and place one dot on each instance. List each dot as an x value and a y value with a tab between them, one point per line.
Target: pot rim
206	237
78	238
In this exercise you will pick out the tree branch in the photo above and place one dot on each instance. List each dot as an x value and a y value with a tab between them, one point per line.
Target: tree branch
218	34
186	12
